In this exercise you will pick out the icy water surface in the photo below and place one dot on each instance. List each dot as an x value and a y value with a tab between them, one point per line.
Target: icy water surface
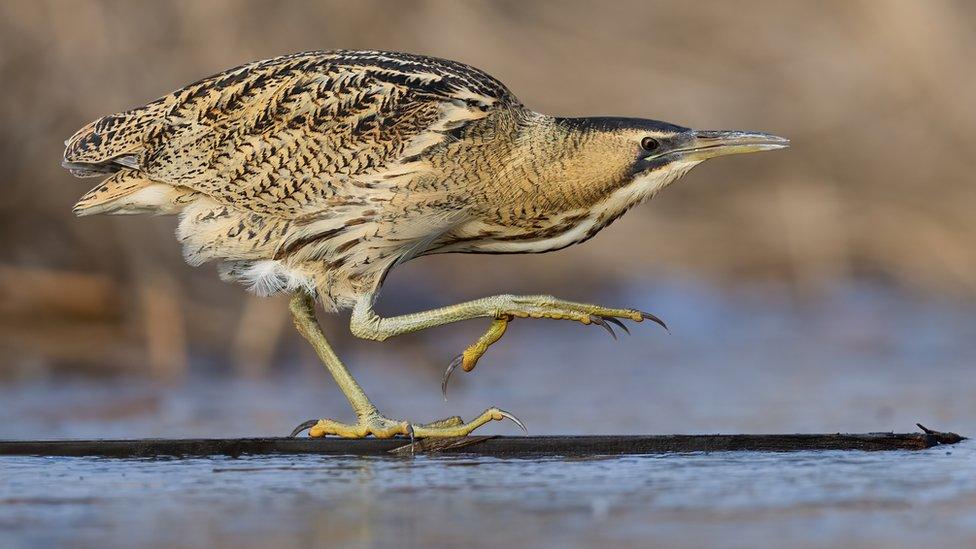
855	361
899	499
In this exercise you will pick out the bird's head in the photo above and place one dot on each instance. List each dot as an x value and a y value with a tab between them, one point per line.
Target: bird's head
645	156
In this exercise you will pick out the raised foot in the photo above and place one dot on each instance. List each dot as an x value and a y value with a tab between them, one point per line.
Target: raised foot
593	315
382	427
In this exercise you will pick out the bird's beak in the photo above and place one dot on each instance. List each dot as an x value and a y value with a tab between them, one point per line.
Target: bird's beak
710	144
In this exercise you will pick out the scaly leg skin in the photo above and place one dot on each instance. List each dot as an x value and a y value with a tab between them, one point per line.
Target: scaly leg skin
502	309
371	422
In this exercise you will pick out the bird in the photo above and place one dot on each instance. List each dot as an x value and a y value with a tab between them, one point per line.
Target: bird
315	174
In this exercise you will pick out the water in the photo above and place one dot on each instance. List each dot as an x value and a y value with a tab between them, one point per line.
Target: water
750	499
751	362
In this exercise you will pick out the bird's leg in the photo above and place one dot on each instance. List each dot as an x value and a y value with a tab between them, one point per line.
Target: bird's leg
502	309
365	323
370	422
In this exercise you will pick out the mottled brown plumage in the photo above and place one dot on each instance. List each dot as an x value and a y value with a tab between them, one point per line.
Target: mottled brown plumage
338	165
318	172
331	164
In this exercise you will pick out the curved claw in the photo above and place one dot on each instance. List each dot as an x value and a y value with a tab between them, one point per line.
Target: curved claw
514	419
655	319
302	426
447	374
617	323
601	322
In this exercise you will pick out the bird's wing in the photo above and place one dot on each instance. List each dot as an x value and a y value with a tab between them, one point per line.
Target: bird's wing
296	135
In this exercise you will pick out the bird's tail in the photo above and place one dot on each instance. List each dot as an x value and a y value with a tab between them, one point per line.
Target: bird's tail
113	145
112	142
128	191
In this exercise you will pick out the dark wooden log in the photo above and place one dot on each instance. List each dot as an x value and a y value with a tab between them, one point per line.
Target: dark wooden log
571	446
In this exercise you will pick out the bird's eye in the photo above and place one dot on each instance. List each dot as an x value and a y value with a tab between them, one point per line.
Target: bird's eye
650	144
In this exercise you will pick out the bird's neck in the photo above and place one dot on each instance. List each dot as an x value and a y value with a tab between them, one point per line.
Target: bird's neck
569	161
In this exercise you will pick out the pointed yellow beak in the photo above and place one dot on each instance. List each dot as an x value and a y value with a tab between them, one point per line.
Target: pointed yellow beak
711	144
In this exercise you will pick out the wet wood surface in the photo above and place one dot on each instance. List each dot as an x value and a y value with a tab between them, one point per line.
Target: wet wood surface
500	446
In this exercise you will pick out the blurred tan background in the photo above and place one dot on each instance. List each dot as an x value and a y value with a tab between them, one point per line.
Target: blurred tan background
877	96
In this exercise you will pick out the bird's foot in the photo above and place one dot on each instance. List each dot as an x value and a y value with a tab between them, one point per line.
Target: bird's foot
594	315
382	427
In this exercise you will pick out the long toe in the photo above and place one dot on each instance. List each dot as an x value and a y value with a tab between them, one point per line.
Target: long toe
464	429
383	427
452	421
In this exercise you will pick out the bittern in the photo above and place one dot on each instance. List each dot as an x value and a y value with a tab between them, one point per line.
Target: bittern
317	173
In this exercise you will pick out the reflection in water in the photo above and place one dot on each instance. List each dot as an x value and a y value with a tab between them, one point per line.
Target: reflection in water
630	500
858	360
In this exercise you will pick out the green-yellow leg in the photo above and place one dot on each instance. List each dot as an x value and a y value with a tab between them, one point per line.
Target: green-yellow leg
502	309
370	421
